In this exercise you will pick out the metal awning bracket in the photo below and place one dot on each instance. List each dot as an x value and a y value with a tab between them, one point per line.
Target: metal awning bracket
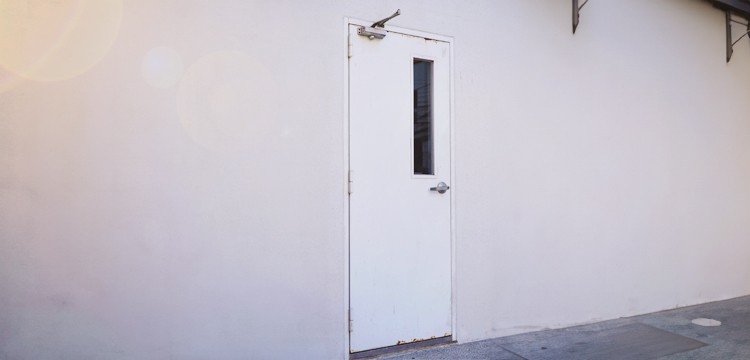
734	9
730	41
577	13
376	31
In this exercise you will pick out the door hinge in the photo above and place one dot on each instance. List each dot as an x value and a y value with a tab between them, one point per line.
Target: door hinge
351	322
349	46
350	182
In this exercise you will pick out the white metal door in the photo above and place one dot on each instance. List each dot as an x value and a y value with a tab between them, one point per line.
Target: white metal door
400	229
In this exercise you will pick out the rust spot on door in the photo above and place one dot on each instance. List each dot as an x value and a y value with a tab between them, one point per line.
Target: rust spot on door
402	342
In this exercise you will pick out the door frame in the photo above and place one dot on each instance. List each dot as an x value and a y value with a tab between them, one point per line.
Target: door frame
345	176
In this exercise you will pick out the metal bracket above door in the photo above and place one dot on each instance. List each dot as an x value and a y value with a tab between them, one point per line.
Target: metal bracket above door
376	31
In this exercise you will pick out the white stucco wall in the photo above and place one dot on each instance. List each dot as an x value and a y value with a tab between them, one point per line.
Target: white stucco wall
175	186
602	174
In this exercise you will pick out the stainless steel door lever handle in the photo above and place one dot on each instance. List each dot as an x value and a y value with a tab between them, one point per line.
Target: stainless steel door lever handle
440	188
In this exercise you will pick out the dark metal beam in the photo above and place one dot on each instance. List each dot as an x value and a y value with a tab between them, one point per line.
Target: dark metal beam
575	15
739	7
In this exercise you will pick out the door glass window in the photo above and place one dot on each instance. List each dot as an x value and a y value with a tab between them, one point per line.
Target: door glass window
423	137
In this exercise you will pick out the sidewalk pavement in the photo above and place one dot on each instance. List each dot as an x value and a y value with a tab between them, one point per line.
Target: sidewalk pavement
666	335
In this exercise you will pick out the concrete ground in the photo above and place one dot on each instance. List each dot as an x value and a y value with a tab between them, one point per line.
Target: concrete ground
650	336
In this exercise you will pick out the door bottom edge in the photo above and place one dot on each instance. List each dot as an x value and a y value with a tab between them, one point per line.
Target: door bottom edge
448	339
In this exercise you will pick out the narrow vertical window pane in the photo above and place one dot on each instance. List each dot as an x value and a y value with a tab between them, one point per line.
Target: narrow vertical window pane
423	138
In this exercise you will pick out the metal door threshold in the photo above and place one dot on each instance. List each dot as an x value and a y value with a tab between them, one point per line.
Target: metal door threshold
403	347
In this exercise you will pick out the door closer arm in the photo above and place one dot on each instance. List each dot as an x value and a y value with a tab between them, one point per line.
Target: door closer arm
376	31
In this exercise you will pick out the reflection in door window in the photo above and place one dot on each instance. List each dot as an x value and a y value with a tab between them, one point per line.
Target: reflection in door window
423	139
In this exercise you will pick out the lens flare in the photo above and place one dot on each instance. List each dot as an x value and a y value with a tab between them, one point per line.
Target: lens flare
228	100
8	80
52	40
162	67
